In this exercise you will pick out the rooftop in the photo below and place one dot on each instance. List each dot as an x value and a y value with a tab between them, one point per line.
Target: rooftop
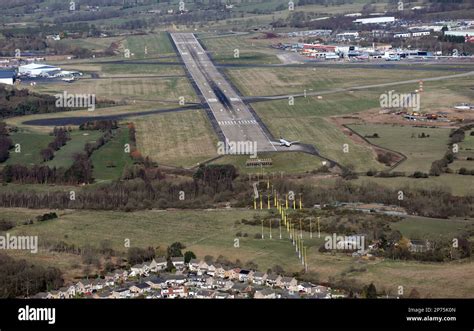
7	73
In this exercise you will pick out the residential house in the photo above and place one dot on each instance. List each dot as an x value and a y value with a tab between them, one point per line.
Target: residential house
98	284
321	292
220	271
305	287
140	288
152	266
109	278
120	275
287	295
84	286
178	262
202	268
223	295
259	278
222	284
63	293
193	265
232	273
266	293
287	282
193	280
244	275
55	294
139	270
161	263
121	293
67	292
272	280
175	292
175	279
208	282
107	294
205	294
241	288
211	270
155	282
42	295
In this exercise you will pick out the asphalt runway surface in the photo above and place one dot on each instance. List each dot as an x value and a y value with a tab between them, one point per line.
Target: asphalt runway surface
233	116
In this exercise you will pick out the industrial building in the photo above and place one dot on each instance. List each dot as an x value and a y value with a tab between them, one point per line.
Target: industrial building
7	77
460	33
375	20
38	70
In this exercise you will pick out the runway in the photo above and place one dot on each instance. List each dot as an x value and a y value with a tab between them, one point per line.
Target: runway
231	114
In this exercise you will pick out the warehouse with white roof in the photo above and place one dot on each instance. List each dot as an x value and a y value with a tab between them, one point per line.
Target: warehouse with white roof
36	69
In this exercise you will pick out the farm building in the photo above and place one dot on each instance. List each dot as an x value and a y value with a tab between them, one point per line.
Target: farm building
7	77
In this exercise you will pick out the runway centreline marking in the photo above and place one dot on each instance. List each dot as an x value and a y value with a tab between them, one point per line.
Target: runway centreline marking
222	99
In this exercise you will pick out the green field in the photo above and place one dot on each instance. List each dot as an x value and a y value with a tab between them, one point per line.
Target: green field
214	232
466	150
247	57
94	44
157	44
420	152
424	228
65	156
276	81
152	91
138	69
303	122
291	162
250	47
31	145
110	160
179	139
456	184
329	105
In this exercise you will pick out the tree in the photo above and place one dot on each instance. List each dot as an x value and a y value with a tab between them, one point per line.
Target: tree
188	256
169	265
404	243
371	292
174	250
139	255
395	236
47	154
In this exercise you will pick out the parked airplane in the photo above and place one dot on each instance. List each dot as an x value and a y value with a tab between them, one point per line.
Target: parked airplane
68	79
286	143
392	57
463	106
